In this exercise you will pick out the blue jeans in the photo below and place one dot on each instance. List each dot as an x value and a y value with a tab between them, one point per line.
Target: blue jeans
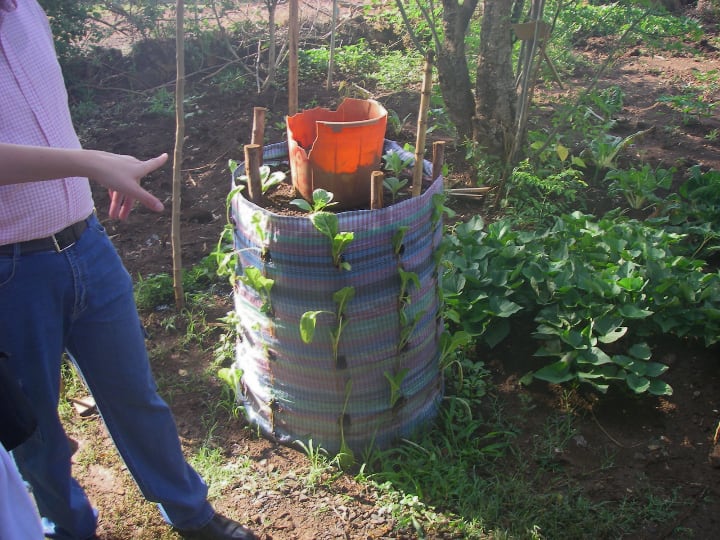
80	301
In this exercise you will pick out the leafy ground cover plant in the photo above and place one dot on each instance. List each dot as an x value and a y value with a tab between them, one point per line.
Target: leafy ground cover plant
639	186
695	211
596	289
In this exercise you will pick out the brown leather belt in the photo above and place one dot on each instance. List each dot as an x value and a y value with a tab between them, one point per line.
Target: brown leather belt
57	242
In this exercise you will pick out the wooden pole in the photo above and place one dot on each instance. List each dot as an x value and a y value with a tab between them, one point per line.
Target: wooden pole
175	239
253	159
258	130
293	37
333	31
376	190
438	159
422	126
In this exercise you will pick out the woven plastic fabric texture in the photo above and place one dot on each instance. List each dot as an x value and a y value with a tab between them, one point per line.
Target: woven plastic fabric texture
297	391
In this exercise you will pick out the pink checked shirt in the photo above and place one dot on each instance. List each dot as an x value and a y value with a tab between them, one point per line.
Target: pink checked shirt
34	111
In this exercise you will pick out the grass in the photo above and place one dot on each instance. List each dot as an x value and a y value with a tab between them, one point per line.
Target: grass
478	472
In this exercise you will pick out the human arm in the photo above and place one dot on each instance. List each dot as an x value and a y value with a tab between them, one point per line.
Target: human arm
120	174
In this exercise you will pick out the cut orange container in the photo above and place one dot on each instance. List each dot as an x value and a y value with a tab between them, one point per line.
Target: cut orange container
337	150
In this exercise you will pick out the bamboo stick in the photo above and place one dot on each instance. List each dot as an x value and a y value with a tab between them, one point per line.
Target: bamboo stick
253	159
376	190
422	126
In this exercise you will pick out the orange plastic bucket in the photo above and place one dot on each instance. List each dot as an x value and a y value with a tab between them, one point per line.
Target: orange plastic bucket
337	150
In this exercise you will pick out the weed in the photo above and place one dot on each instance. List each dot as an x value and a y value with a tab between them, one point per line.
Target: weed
320	467
231	81
691	106
162	102
535	197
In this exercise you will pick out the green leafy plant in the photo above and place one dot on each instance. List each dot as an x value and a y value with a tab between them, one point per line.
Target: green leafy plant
691	106
694	211
535	196
224	252
231	81
321	199
162	102
407	322
345	457
308	320
639	186
395	124
231	376
406	279
398	239
594	289
395	164
394	185
268	179
320	465
253	278
396	381
328	224
605	149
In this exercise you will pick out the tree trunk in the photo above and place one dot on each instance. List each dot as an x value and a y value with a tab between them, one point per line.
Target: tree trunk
452	65
707	10
495	94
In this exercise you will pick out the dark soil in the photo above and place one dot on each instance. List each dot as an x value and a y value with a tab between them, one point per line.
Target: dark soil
665	444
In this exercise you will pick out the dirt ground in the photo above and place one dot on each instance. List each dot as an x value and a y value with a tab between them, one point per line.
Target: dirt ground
662	442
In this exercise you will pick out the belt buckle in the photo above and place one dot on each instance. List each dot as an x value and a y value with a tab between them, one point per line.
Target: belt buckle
57	246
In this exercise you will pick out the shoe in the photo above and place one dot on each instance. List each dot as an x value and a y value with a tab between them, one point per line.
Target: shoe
219	528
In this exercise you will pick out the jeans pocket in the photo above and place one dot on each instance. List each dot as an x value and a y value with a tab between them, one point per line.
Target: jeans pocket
95	224
7	270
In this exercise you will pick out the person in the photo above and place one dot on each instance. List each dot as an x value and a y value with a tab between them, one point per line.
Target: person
63	288
19	519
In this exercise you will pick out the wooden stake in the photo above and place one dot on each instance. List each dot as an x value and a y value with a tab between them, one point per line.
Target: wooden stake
438	159
253	159
376	190
258	132
293	37
422	126
176	242
333	32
